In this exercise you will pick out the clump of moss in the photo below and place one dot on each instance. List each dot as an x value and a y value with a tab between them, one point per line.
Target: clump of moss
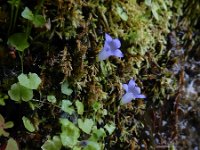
66	48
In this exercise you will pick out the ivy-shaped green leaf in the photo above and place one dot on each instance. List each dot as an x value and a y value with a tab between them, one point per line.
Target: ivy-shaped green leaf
51	98
86	125
65	88
19	92
19	41
38	20
28	124
110	128
97	134
30	81
27	14
66	106
70	133
54	144
91	145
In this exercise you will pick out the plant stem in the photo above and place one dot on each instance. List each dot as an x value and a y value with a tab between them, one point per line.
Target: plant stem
16	13
30	25
11	17
21	55
28	29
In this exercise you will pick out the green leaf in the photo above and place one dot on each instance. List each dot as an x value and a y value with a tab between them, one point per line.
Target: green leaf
3	132
30	81
97	134
2	103
123	15
11	145
65	88
19	41
27	14
28	125
38	20
33	105
51	98
18	93
3	96
3	126
96	106
54	144
66	106
86	125
2	120
9	124
80	107
76	148
70	133
110	128
92	146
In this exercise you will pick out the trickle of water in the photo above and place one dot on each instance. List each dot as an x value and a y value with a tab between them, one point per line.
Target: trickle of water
189	129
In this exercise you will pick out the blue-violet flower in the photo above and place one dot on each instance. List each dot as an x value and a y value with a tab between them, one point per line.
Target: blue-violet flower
132	92
111	48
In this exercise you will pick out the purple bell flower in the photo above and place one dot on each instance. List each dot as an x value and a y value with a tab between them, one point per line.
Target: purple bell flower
111	48
132	92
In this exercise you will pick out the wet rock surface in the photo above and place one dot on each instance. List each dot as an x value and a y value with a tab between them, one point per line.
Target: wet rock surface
189	101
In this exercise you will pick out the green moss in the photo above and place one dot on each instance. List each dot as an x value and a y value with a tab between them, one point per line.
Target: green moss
66	49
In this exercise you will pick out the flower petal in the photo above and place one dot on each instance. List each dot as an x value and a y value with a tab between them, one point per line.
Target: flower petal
115	44
106	47
125	86
127	98
117	53
141	96
104	55
131	85
137	90
108	38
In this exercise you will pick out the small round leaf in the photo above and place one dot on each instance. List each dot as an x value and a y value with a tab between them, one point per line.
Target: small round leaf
18	93
30	81
27	124
19	41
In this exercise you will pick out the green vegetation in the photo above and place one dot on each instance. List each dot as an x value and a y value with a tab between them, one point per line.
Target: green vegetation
60	95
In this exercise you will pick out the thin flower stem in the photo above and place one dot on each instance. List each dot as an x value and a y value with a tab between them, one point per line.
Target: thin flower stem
16	13
21	55
45	102
11	18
